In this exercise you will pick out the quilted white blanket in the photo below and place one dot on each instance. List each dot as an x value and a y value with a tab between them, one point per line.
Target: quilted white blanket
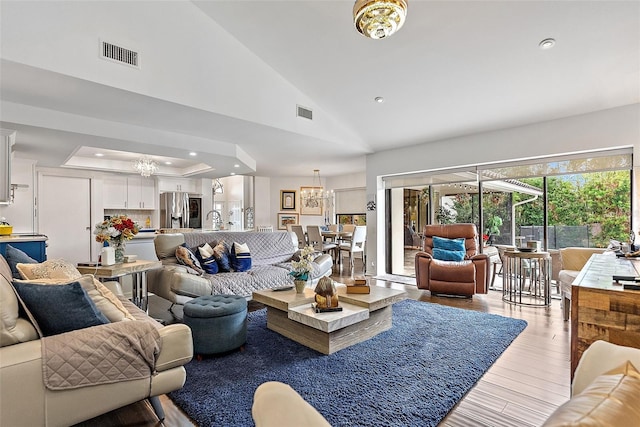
114	352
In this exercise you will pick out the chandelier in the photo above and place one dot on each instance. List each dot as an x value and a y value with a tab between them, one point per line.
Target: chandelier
145	166
315	195
378	19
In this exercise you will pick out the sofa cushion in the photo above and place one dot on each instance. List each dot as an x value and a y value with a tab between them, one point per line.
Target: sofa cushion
222	253
610	400
240	257
188	258
15	256
102	297
59	309
13	329
50	269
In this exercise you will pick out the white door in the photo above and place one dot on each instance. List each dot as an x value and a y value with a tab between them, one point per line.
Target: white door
65	217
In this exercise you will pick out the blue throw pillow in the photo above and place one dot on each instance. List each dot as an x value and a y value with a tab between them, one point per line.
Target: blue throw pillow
240	257
449	244
208	262
445	255
60	308
221	253
15	256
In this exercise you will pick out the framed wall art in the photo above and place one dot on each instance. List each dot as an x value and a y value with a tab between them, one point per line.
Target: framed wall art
285	219
310	206
287	200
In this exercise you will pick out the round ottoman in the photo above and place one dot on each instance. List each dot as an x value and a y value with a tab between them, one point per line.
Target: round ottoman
218	323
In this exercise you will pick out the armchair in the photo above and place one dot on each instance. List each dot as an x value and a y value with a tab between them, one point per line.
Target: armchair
466	277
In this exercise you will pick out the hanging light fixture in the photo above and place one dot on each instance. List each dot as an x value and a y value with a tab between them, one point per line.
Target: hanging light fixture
378	19
315	196
145	166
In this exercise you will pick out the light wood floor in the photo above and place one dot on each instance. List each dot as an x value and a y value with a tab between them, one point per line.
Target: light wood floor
521	389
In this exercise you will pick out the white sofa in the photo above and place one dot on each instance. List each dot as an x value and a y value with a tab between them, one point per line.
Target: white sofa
26	400
597	399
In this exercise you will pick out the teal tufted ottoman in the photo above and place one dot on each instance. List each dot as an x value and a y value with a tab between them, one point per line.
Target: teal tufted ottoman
218	323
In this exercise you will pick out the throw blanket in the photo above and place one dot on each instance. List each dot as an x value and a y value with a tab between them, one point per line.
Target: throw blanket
115	352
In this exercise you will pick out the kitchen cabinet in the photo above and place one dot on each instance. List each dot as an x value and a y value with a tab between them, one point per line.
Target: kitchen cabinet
184	185
114	190
129	192
7	139
141	193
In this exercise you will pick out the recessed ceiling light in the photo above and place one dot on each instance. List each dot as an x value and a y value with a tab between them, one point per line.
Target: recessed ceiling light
379	99
236	166
167	163
233	173
547	43
193	153
98	154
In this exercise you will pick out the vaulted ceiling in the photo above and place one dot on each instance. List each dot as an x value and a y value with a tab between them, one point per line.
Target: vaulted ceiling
224	78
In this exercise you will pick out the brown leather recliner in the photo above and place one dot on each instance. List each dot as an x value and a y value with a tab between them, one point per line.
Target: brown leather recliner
467	277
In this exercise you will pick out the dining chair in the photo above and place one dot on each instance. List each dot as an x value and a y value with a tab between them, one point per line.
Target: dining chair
334	227
347	228
302	239
355	245
317	241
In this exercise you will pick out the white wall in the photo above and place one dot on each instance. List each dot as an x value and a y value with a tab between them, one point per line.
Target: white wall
348	181
607	129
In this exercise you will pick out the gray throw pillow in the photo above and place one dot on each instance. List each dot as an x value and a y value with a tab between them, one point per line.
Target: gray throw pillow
15	256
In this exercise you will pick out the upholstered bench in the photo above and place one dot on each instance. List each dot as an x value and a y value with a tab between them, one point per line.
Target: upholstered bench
218	323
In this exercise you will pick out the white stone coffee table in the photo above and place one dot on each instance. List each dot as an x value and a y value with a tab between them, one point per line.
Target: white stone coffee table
363	316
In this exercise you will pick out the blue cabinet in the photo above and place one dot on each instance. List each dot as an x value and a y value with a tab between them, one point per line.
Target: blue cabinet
35	246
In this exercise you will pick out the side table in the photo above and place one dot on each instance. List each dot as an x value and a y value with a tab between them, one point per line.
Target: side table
137	270
527	278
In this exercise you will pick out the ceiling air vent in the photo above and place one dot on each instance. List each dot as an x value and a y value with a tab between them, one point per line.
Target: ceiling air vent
119	54
304	112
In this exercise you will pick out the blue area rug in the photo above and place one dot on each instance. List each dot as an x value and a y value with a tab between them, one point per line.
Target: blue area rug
411	375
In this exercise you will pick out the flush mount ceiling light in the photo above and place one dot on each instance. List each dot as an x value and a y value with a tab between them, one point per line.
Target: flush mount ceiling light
547	43
379	99
145	166
378	19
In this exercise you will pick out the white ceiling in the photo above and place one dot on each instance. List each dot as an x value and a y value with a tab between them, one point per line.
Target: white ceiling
455	68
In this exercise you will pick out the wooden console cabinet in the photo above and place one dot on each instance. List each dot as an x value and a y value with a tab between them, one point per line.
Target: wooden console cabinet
602	309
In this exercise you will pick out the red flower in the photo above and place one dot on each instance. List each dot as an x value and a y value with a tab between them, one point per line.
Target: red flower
485	237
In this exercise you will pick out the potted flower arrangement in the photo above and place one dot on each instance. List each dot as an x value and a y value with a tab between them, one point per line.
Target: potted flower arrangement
302	268
115	231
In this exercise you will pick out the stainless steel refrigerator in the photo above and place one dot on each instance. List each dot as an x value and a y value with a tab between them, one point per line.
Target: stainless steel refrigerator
178	210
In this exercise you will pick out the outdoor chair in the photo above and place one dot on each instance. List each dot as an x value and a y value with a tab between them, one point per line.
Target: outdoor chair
440	276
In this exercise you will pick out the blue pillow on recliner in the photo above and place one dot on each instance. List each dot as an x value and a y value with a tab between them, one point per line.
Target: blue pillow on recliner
449	244
449	249
445	255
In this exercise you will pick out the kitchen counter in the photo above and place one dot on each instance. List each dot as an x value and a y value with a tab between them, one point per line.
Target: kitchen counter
22	238
34	245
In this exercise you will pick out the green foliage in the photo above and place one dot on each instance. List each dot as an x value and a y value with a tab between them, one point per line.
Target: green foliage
599	200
